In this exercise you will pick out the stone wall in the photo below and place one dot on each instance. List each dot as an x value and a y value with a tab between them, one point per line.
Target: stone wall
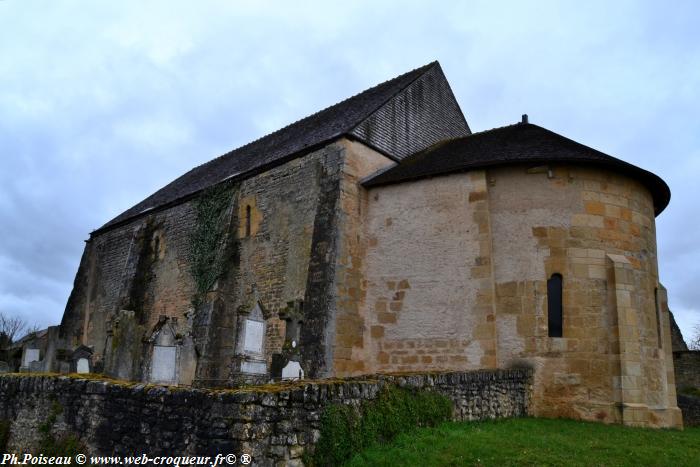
429	288
597	230
134	288
457	268
690	406
687	365
349	349
273	424
687	369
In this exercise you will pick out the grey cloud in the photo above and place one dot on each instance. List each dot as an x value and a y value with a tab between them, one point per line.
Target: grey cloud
104	103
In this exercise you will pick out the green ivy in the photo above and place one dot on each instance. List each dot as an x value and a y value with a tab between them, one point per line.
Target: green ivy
208	239
346	430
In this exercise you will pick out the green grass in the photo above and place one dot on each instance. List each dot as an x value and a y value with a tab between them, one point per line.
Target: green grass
346	430
540	442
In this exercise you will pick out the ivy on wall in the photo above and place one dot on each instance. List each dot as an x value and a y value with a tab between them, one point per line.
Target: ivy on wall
208	239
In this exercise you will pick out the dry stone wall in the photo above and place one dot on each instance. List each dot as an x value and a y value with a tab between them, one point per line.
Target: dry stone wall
275	425
690	406
687	366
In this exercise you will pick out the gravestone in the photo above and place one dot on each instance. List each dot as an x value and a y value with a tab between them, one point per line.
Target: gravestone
83	365
30	355
250	346
36	366
4	367
285	365
80	360
292	371
163	364
253	342
253	367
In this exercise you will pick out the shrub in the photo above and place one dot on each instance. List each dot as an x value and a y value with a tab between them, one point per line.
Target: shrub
345	430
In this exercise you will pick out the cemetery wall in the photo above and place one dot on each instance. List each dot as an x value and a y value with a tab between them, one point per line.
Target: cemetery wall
273	424
687	366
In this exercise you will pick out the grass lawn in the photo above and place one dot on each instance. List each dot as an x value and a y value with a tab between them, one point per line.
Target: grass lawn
532	441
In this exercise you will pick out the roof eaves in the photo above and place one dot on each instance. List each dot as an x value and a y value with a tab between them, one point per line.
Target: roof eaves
231	179
344	129
658	188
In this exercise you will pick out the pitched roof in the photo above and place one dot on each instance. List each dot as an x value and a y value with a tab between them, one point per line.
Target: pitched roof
519	143
397	117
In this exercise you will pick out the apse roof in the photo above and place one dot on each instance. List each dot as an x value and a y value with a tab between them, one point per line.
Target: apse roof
518	143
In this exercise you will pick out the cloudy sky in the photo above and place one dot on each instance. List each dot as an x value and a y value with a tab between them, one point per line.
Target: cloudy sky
102	103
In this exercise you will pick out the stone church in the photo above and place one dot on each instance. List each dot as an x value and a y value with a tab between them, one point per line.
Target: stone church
381	235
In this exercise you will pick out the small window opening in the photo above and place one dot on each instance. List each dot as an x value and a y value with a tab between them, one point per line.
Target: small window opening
554	305
658	317
247	221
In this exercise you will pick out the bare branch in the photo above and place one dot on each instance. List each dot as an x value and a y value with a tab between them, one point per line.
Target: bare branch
11	327
694	343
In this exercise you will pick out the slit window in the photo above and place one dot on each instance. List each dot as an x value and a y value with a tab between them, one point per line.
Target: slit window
554	306
247	221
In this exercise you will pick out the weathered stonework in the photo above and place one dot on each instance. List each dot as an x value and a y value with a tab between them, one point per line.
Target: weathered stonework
274	425
133	276
687	366
595	228
428	271
444	273
347	328
690	406
457	271
379	235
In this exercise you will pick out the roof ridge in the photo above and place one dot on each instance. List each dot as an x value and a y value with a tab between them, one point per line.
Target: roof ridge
304	134
423	69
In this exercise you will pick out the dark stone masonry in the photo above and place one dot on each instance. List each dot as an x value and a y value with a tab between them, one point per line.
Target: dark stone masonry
690	406
687	367
686	364
274	424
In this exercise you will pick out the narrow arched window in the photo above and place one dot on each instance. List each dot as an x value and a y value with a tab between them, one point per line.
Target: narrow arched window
554	305
247	221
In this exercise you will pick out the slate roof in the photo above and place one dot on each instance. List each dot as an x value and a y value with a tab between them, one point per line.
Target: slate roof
418	106
519	143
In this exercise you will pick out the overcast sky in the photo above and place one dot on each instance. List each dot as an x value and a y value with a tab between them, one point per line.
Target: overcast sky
102	103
